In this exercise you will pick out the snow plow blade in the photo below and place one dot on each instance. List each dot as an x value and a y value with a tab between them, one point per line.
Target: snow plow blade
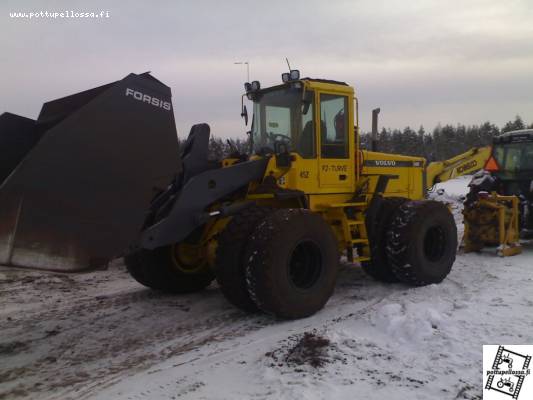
78	180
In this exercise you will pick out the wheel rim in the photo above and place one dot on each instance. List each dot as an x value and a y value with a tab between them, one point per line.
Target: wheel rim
186	258
435	243
305	265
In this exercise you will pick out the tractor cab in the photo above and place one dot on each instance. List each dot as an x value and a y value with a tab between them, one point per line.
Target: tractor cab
512	161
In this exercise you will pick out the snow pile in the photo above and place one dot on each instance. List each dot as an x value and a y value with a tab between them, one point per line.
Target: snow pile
452	193
408	322
454	188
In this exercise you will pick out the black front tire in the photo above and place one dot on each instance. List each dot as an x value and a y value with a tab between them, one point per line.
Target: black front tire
422	242
158	269
291	263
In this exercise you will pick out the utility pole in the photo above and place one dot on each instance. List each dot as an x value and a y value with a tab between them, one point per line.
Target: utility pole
247	68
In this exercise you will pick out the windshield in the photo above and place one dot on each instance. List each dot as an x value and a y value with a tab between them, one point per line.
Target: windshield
279	119
514	157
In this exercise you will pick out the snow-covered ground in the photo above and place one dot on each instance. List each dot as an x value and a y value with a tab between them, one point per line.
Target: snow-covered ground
100	335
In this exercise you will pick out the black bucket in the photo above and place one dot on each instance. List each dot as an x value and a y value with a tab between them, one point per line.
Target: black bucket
79	179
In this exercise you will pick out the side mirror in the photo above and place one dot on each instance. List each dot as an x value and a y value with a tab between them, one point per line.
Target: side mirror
244	114
305	108
250	141
307	100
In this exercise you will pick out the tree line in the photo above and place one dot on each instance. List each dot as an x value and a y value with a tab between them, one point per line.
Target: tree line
445	141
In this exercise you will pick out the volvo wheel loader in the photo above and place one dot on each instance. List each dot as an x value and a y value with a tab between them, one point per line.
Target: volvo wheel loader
270	225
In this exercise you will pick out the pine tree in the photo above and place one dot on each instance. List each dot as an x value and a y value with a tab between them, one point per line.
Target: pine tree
514	125
217	149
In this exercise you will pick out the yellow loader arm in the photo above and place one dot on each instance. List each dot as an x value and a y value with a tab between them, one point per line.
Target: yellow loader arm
463	164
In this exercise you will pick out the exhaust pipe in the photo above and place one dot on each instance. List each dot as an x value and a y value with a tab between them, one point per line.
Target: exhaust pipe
375	113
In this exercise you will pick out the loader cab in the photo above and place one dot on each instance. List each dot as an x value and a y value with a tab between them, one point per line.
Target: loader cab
312	120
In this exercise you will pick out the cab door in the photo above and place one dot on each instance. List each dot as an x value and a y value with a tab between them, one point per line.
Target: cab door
335	165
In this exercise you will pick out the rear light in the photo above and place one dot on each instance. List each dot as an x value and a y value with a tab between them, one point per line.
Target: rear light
492	165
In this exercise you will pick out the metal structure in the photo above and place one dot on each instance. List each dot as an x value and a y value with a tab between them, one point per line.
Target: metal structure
493	221
76	182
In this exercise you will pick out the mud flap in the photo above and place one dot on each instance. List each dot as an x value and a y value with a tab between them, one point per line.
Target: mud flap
79	195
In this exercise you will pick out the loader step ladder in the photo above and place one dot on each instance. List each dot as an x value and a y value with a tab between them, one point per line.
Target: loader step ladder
352	218
354	223
344	205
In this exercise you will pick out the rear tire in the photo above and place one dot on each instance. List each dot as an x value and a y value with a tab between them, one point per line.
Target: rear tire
379	267
158	269
422	242
291	263
229	264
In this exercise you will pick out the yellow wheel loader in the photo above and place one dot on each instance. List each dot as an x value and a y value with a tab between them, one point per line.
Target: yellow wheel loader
270	225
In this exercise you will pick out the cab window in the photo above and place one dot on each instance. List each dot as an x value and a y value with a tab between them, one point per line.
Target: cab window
281	117
278	120
334	126
514	156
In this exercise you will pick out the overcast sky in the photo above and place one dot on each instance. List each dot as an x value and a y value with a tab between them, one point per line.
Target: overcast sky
422	62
